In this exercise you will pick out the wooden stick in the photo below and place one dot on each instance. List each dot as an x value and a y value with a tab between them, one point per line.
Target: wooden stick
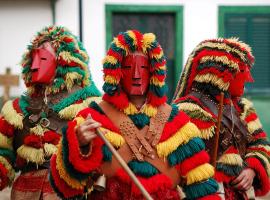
220	108
124	165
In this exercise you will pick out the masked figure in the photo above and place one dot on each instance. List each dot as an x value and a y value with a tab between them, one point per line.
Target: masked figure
158	142
55	72
223	65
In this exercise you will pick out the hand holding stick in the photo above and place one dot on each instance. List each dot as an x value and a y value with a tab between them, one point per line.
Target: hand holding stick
124	165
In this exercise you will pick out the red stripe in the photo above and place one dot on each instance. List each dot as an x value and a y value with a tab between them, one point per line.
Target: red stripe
81	163
154	100
33	141
16	106
117	73
61	185
261	173
6	128
3	177
119	100
211	197
202	124
173	126
221	177
251	117
192	162
115	54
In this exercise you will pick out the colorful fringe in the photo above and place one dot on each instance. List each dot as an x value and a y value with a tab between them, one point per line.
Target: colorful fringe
72	60
122	45
214	63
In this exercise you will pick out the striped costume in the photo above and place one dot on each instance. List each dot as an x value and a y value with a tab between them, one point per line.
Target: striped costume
242	141
179	145
30	126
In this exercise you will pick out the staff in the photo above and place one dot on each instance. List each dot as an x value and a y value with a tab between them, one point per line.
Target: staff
124	165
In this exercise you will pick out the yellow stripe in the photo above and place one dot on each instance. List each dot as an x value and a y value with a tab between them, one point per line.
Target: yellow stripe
263	158
119	45
155	81
162	67
110	59
208	132
111	80
49	149
132	35
84	55
247	106
231	159
158	56
66	56
193	107
7	165
71	111
266	147
148	39
149	110
200	173
38	130
6	142
130	110
31	154
254	125
222	59
114	138
63	173
11	115
70	78
212	78
182	136
222	46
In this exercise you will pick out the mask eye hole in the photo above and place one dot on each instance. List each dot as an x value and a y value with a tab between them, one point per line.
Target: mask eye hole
144	67
43	58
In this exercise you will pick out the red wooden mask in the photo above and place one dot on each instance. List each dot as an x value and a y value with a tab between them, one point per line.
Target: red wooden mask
43	64
136	74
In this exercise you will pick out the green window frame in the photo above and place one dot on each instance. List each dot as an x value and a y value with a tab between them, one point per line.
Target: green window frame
175	9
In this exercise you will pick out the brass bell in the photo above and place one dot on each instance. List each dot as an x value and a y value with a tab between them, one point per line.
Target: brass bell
100	184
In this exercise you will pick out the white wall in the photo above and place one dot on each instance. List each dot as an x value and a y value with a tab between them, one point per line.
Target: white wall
19	21
200	22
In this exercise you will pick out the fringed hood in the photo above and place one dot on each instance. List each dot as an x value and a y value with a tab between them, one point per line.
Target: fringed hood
212	65
122	45
72	61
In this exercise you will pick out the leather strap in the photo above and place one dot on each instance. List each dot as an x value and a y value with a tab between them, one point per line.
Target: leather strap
148	138
230	118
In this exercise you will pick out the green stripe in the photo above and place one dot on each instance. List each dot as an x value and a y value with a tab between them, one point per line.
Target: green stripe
201	189
158	91
174	112
195	145
8	154
230	170
96	107
83	94
68	166
140	120
107	154
144	169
